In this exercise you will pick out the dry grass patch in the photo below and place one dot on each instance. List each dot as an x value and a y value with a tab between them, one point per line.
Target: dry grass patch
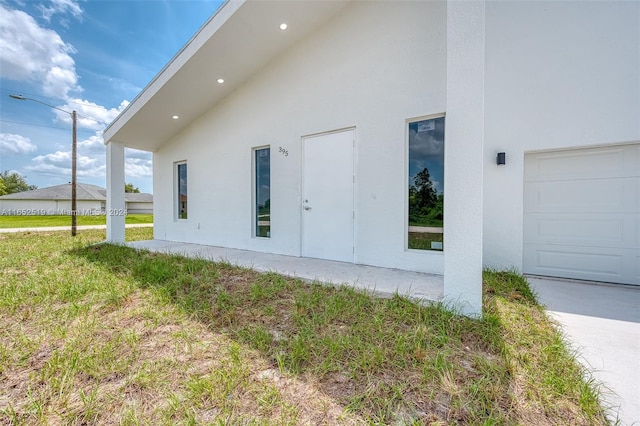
104	334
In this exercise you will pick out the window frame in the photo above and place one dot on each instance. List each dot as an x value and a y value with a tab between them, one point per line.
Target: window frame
176	190
254	191
407	122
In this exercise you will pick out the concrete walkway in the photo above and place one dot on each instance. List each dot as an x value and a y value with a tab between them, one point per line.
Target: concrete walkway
601	321
383	281
68	228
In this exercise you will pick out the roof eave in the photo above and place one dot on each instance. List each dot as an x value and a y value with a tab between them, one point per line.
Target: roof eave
224	12
239	40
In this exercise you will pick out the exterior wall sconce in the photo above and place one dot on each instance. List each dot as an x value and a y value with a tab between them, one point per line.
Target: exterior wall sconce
501	159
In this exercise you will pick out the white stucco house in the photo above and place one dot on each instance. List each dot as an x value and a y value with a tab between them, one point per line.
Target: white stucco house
340	129
56	200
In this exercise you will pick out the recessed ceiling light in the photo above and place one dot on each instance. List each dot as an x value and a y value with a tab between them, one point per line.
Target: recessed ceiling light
221	80
175	117
283	26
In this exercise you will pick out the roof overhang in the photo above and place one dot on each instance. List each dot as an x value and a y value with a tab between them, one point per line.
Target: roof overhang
241	38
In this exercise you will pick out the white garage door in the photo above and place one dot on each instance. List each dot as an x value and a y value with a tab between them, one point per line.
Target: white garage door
582	214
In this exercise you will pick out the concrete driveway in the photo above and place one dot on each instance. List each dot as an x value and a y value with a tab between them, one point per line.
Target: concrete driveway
601	321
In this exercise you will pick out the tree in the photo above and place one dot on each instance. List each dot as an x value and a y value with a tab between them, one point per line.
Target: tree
13	182
425	204
129	188
3	188
425	192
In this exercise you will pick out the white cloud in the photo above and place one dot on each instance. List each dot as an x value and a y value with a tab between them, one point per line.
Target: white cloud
57	158
91	115
15	144
138	164
91	161
93	145
59	164
61	7
138	168
31	53
138	154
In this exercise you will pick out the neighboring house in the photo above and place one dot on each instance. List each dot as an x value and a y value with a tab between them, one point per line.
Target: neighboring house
137	202
56	200
346	135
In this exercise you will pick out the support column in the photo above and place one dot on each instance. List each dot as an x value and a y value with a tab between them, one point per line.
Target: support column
115	192
463	168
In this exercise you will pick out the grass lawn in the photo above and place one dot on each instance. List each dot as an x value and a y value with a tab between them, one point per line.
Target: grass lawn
105	334
39	221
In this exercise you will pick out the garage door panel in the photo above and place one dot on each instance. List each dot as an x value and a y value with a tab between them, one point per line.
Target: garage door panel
596	195
576	164
582	263
582	214
572	261
582	229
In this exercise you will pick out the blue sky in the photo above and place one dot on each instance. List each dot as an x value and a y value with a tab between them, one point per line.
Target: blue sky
89	56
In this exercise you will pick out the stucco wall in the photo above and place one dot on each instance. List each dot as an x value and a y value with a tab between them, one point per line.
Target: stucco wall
558	75
373	67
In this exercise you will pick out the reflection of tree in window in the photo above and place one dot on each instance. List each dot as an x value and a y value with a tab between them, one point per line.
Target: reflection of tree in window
425	204
426	184
263	193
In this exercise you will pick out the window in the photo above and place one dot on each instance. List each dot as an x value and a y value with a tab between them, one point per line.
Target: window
181	192
262	192
426	184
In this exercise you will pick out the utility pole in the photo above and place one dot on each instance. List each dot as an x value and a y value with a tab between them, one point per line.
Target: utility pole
74	154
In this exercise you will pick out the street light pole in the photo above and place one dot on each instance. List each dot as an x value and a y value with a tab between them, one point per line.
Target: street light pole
74	149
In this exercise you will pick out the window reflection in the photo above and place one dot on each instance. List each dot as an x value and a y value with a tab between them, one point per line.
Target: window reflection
426	184
182	191
263	192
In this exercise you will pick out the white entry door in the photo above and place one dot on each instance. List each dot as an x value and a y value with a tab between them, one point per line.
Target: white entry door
327	196
582	214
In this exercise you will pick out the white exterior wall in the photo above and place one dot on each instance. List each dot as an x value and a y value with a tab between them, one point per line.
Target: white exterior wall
373	67
139	208
558	75
47	207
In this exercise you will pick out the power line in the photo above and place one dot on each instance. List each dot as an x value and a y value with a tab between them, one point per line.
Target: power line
22	98
44	125
65	101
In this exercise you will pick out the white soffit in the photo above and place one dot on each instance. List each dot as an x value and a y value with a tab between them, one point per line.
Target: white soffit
239	40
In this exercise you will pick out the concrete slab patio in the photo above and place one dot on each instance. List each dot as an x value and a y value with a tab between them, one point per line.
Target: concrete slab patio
383	281
601	321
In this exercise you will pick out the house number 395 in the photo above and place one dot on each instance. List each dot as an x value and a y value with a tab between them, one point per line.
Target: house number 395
283	151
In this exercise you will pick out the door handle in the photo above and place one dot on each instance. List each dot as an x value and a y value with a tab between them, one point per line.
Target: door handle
307	208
